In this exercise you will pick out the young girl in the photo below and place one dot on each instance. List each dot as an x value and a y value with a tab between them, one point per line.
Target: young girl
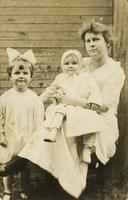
21	113
78	120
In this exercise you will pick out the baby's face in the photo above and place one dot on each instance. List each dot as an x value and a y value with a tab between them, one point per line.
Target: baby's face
71	65
20	77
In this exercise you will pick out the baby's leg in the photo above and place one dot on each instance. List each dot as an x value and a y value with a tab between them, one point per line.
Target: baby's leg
55	126
7	181
88	144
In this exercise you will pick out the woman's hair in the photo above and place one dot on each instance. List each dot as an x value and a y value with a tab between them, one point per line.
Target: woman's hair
21	63
96	28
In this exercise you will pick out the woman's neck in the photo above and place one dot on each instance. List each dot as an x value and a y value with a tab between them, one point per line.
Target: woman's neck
96	63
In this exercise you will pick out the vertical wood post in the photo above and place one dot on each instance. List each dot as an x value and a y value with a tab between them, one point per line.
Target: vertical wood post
121	53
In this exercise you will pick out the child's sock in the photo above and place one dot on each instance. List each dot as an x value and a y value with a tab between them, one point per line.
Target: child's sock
51	135
86	154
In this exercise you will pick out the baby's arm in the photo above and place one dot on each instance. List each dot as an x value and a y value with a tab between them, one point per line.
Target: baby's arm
47	94
54	91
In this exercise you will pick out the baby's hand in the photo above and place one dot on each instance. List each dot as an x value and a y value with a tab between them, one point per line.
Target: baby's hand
3	140
51	91
59	93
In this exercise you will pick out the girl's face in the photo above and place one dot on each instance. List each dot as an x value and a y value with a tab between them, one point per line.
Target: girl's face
71	65
96	46
20	77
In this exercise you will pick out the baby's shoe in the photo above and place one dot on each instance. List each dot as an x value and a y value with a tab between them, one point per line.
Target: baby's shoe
23	195
2	167
7	196
51	135
86	154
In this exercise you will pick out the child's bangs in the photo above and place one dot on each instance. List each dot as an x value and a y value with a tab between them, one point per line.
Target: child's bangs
21	64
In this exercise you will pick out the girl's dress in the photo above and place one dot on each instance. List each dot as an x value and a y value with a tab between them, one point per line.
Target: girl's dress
21	113
61	158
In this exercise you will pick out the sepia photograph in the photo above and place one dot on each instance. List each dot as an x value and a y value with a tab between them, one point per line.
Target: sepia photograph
63	99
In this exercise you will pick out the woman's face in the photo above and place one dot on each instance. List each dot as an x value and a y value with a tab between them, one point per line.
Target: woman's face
96	46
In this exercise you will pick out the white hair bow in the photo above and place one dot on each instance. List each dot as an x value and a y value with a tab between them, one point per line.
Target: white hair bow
28	55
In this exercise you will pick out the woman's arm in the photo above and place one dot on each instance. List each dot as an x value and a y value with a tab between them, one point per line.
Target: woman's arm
82	102
75	101
112	89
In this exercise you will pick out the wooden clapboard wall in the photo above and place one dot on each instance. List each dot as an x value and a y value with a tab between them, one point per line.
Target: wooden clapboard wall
48	27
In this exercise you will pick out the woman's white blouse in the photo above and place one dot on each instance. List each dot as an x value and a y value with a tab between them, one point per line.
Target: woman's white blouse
110	78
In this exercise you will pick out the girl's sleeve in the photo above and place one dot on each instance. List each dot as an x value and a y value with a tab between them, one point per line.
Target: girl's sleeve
1	117
39	113
112	89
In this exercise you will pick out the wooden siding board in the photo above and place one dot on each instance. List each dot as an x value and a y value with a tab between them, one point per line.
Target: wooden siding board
50	19
43	52
39	27
38	75
39	67
41	59
65	36
55	11
26	43
34	84
57	3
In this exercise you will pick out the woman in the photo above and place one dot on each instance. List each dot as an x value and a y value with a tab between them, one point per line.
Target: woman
110	77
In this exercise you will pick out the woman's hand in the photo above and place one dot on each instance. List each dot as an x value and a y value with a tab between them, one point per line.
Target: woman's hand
102	109
93	106
97	108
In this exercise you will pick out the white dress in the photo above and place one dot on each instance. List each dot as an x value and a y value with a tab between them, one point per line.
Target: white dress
61	158
110	79
79	121
21	113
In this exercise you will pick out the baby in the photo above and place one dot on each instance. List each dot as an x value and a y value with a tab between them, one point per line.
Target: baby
80	86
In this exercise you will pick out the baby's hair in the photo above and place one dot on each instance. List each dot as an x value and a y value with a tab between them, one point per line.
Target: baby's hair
21	63
96	28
